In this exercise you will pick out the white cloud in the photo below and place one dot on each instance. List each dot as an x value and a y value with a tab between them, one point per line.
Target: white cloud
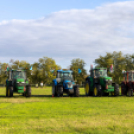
69	34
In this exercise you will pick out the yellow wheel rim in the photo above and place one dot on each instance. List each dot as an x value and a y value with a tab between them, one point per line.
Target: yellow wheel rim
8	92
95	91
87	88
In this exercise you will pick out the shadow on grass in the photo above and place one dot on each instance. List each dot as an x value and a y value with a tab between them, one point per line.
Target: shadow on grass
65	96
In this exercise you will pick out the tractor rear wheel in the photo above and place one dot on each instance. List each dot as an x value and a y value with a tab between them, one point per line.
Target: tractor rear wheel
116	90
76	91
97	91
54	90
130	92
87	89
28	91
10	91
123	89
60	91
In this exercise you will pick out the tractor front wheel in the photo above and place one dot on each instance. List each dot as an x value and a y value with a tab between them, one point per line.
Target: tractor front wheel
28	91
76	91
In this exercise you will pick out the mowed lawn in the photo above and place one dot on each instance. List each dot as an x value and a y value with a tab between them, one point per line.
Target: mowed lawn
42	113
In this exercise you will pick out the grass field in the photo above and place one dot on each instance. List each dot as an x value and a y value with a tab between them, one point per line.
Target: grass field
42	113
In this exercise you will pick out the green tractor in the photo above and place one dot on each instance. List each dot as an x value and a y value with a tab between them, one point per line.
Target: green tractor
18	83
99	84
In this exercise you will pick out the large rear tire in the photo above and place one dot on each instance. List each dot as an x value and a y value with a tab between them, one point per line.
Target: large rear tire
97	91
10	91
123	89
87	89
28	91
59	91
76	91
116	90
54	93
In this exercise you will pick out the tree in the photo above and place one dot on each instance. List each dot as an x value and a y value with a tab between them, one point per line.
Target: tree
75	65
48	68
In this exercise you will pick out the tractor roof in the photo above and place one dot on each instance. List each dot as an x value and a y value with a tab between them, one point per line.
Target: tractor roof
64	71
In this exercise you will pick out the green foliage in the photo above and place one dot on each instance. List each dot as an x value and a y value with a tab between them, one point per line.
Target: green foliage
75	65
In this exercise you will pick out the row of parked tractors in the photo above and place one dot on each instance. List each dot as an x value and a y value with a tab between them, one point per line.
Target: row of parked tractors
97	84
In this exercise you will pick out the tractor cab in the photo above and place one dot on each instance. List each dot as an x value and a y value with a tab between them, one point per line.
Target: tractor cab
99	72
17	74
64	75
129	76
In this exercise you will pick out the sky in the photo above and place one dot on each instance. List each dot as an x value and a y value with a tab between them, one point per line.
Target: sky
65	30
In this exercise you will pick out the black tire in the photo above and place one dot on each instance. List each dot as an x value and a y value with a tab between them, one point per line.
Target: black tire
116	90
59	91
130	92
54	93
10	91
76	91
123	89
97	90
87	89
28	91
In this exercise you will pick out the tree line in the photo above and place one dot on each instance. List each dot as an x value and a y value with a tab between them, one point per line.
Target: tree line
45	69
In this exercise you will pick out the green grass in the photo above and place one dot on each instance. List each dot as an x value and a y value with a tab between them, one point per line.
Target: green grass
42	113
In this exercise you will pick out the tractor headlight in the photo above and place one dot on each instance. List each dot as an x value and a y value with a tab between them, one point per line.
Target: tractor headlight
69	85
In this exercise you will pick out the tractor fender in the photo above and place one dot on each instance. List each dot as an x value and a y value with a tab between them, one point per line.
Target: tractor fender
55	82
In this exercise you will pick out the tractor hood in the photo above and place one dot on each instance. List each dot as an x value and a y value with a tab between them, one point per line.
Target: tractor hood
107	78
66	81
20	80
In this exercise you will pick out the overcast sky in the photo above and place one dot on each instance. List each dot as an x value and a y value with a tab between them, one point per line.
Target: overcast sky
31	29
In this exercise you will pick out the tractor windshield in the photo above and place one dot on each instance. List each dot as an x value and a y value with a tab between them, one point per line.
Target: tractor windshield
65	75
100	73
19	74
